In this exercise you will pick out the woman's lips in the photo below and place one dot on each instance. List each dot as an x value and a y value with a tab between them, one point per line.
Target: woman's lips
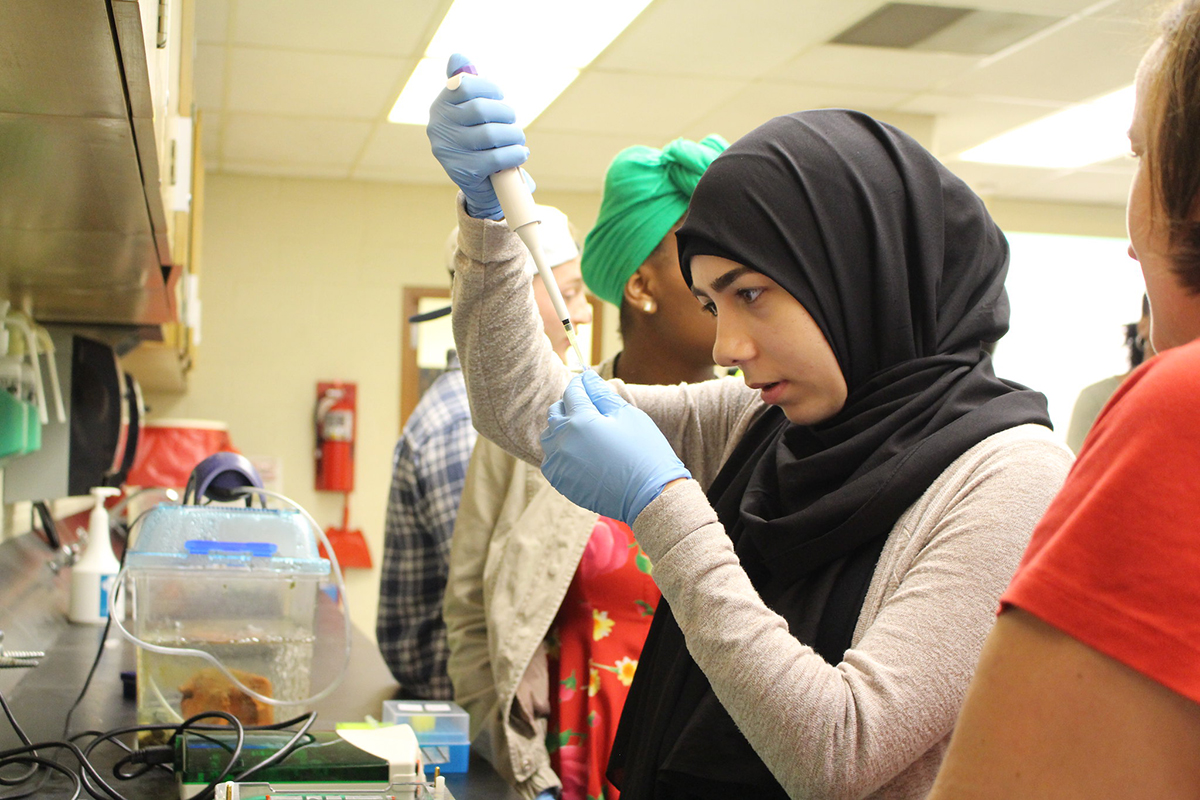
770	391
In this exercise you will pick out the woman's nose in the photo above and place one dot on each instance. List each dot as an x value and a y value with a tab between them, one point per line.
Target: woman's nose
732	347
581	310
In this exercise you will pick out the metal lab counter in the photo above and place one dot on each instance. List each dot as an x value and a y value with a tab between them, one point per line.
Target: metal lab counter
33	606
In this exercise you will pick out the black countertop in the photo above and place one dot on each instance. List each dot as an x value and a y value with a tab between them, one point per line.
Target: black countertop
33	605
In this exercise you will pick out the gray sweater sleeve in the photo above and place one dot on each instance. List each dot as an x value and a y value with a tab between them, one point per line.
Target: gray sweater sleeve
878	720
513	376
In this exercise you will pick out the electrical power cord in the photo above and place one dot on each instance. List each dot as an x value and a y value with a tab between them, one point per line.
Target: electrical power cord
89	779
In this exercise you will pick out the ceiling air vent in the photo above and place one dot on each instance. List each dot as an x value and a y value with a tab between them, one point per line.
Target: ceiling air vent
945	29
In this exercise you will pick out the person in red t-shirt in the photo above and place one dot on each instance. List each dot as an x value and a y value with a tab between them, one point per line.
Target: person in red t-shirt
1089	684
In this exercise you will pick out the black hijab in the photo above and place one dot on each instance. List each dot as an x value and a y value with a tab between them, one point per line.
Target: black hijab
902	268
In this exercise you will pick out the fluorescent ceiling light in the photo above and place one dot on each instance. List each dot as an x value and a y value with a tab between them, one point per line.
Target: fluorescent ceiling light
1074	137
532	49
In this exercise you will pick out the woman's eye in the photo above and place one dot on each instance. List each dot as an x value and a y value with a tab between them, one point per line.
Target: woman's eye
709	308
749	295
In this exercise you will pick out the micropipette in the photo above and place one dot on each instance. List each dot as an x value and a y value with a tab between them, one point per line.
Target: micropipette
521	213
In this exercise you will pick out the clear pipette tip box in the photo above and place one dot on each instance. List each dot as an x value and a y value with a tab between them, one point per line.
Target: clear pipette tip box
442	729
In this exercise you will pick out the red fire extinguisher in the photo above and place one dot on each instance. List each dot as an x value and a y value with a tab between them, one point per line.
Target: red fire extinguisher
335	436
335	422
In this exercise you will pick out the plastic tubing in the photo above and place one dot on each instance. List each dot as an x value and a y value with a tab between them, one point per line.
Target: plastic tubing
21	321
43	336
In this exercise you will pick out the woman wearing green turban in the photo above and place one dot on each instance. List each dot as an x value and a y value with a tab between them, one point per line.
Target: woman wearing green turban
630	258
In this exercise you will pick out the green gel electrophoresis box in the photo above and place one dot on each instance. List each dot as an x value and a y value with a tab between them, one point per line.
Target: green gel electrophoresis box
322	757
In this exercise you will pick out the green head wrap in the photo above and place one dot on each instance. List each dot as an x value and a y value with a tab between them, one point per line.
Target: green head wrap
646	191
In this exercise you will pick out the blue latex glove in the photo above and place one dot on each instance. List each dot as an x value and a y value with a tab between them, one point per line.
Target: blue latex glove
474	133
604	454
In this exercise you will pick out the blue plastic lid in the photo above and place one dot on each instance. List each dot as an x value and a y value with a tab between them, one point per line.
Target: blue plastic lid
230	548
193	537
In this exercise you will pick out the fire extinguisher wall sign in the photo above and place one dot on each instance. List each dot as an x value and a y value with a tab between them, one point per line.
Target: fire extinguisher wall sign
335	425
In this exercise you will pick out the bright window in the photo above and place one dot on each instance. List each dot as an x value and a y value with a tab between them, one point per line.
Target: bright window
1071	297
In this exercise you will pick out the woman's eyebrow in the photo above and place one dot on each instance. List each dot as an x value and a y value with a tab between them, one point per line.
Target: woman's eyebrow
723	281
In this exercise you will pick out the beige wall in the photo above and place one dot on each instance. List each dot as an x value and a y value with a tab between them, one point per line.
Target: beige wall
301	282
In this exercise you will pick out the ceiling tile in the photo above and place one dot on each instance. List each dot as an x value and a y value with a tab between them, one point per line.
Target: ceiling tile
1140	12
212	20
986	32
578	161
209	81
1087	186
1059	8
1061	66
921	127
391	145
874	67
321	84
312	81
994	179
715	38
612	103
966	122
347	26
290	140
761	101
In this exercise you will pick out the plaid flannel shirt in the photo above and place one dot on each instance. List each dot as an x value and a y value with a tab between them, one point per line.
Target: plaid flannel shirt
428	471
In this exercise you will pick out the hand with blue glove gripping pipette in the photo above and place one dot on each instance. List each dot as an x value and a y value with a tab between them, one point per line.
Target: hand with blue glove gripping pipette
474	134
604	454
475	137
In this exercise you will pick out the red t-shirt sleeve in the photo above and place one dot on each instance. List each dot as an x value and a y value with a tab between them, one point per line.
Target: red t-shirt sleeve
1115	562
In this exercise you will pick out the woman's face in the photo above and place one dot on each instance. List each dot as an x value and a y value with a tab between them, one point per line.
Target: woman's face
763	330
1174	311
570	283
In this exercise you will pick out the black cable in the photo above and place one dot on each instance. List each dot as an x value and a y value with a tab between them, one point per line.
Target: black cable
91	672
110	736
283	752
116	594
18	755
49	528
54	766
89	778
24	740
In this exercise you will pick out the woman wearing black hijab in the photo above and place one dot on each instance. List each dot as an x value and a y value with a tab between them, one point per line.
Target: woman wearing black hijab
859	501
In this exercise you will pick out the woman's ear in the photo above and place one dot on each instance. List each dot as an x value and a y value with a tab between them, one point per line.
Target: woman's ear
639	291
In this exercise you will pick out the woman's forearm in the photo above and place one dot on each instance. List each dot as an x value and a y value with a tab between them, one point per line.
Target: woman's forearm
513	376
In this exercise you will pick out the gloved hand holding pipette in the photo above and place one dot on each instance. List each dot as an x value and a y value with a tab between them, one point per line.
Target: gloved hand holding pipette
475	137
604	454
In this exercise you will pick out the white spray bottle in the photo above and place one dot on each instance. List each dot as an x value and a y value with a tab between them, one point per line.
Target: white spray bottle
94	576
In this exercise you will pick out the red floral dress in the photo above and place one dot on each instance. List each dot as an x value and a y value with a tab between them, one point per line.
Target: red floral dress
594	645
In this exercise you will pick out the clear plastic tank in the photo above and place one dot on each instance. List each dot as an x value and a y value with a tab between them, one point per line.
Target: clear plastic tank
238	583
